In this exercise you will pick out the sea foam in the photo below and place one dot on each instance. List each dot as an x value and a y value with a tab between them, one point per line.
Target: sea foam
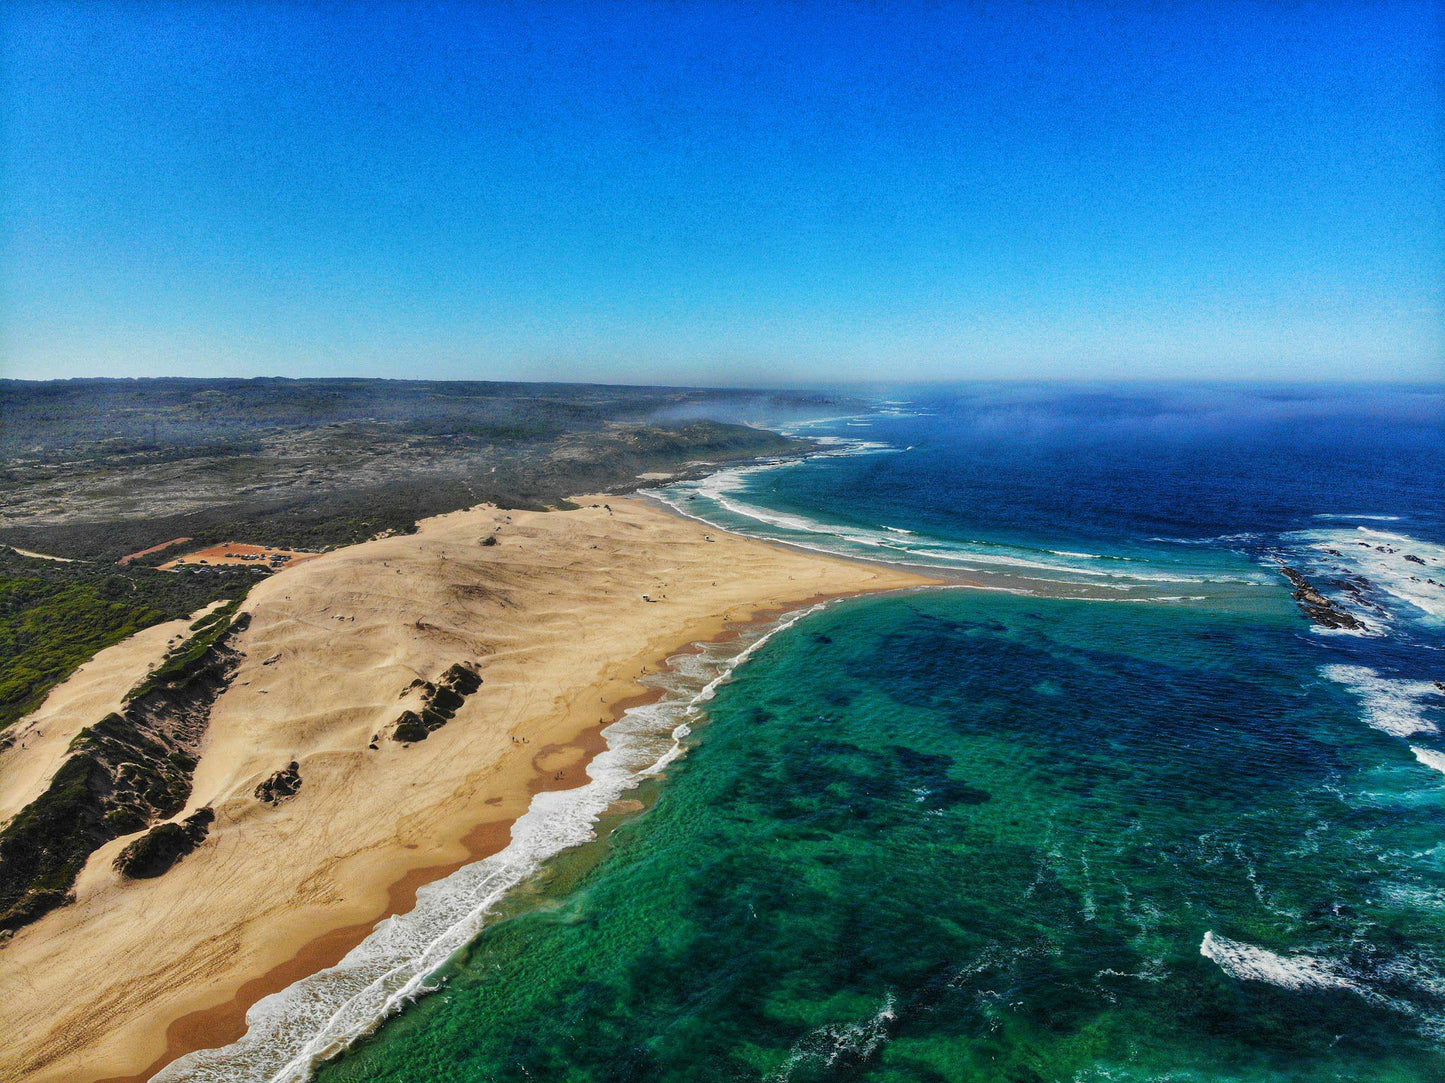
1430	758
290	1032
1405	575
1248	962
1392	705
826	1046
727	491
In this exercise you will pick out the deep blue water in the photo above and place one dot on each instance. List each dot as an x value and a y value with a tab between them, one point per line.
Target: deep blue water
1122	466
1195	495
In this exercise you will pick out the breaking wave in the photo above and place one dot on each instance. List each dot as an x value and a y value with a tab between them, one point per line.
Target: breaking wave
290	1032
1384	573
847	1043
1250	963
727	491
1410	976
1392	705
1430	758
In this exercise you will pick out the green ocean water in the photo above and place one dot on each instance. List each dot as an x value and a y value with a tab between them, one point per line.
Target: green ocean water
961	836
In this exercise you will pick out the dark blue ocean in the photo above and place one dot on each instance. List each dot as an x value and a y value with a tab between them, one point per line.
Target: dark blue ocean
1111	806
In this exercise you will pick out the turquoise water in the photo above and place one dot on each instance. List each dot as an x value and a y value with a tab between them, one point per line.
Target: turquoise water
1126	814
958	837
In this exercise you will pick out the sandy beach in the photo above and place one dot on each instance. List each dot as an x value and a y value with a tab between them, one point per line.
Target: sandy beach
559	617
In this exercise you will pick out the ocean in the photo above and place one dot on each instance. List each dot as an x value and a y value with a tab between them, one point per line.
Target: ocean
1118	809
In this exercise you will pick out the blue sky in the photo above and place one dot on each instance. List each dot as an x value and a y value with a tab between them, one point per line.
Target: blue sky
723	193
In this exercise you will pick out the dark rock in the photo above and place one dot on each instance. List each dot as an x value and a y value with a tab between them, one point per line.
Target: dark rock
439	704
1316	606
155	852
283	784
410	727
461	679
128	770
1413	558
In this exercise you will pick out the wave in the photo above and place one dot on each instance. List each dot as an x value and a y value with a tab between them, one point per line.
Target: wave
290	1032
848	1042
1247	962
1358	518
792	428
1384	569
1430	758
1392	705
725	490
1408	985
1233	540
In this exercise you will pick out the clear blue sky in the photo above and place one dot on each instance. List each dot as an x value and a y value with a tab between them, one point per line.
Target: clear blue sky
723	193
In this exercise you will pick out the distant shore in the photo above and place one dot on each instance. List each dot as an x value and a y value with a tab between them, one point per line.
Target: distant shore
559	617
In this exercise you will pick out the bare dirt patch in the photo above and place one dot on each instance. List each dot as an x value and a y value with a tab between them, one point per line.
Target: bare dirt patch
255	556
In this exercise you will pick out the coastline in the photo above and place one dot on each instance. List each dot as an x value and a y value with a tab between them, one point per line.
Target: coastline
387	881
212	1028
209	1028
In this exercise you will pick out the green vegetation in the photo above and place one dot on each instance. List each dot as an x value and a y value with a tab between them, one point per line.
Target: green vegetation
48	629
55	616
100	469
124	772
38	873
97	470
163	845
182	663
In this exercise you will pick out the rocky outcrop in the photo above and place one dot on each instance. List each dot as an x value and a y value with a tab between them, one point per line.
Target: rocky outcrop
283	784
128	770
1316	606
163	845
440	702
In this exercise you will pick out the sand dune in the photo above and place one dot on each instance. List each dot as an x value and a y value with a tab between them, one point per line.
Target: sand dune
554	618
89	694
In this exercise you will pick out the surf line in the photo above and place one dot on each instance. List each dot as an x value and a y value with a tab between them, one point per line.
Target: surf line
293	1031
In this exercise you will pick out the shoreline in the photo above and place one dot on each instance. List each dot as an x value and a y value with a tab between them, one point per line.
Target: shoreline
1002	582
222	1024
465	825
